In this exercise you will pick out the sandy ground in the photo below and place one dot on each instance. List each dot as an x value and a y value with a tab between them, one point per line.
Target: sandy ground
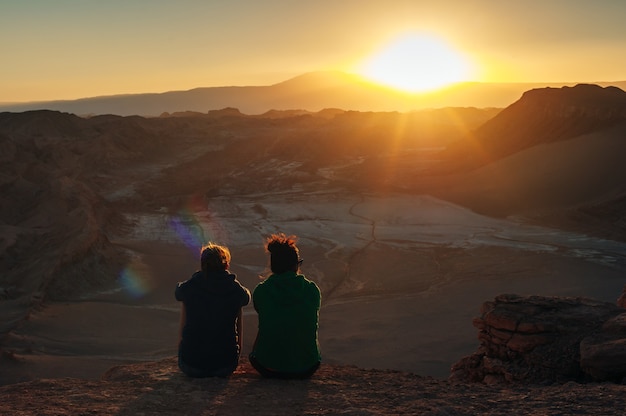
402	276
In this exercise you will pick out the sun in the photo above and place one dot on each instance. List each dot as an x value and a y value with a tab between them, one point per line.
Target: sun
416	63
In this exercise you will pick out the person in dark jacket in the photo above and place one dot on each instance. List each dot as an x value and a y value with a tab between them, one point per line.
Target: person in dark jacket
288	306
211	320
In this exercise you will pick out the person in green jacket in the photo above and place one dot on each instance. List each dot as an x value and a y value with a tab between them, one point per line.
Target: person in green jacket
288	306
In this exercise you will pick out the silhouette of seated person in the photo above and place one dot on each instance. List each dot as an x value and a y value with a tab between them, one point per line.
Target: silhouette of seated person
210	335
288	306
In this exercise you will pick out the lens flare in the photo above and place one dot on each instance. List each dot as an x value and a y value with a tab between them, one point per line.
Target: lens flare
195	225
188	230
136	280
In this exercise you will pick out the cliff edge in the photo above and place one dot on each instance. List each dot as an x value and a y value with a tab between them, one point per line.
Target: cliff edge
158	388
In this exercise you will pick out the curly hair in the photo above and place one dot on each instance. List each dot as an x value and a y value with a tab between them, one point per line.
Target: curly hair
284	255
214	258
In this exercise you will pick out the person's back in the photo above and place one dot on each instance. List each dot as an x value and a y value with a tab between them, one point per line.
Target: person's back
210	338
288	307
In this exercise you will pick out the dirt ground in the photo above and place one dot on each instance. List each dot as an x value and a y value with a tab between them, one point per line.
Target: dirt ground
158	388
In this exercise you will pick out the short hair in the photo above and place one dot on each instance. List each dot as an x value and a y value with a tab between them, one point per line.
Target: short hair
284	255
214	258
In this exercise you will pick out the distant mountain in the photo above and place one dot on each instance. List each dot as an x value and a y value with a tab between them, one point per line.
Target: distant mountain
312	92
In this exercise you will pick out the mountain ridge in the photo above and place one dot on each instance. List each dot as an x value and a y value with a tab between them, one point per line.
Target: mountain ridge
312	91
552	114
542	115
571	136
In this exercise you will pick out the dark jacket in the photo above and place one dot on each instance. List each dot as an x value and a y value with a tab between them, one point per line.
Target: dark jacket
288	305
212	304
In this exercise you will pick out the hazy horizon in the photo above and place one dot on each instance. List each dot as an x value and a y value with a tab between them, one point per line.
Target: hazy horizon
416	94
69	49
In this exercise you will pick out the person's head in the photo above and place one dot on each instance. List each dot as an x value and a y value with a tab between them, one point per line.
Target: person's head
214	258
284	255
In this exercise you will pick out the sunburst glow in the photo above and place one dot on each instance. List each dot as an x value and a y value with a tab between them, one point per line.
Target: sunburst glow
417	63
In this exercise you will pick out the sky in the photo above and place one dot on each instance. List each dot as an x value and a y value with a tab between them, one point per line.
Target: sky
68	49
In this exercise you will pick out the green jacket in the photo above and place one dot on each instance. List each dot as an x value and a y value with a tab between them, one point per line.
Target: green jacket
288	305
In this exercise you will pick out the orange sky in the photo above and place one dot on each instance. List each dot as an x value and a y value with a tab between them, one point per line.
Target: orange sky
66	49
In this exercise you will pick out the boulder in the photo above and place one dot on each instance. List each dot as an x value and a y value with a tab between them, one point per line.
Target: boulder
539	339
603	355
621	301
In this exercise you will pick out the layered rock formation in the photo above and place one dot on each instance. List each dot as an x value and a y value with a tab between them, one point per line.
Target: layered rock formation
621	301
603	356
547	339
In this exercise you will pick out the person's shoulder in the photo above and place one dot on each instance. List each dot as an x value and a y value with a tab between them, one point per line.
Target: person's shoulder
193	279
185	286
308	281
245	295
189	282
262	286
240	286
266	280
311	285
313	292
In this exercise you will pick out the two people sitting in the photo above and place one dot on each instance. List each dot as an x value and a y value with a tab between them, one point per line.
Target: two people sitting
287	304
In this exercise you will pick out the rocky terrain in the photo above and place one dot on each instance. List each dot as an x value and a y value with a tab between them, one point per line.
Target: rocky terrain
157	388
64	176
551	114
97	215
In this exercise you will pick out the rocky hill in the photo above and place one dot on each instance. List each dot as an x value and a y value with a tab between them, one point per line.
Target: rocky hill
551	114
552	155
541	116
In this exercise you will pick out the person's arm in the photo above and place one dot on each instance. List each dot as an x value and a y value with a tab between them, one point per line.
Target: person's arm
240	330
183	319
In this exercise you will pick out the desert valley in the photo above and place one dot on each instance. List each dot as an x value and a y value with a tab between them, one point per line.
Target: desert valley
408	221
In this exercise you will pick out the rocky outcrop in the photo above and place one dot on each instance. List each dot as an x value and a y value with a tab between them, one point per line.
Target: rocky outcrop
621	301
551	114
603	355
541	115
546	339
